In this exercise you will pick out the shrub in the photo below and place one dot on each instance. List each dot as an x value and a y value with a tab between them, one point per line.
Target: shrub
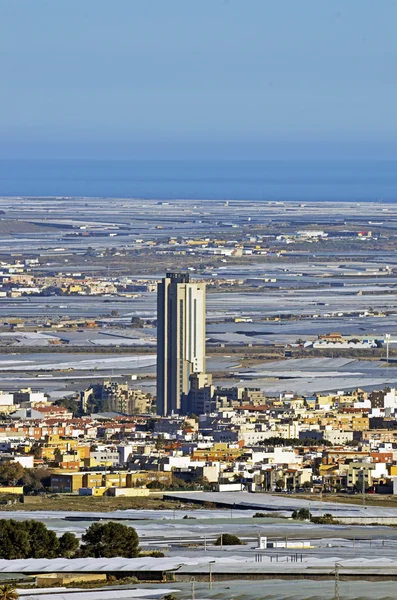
327	519
152	553
303	514
228	539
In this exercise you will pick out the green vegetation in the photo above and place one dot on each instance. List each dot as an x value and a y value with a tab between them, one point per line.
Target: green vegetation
279	441
110	582
68	544
327	519
137	322
52	290
303	514
33	480
11	473
27	539
269	515
32	539
228	539
96	403
72	405
100	503
8	592
108	540
177	484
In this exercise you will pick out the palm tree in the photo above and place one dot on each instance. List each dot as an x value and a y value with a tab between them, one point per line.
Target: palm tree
8	592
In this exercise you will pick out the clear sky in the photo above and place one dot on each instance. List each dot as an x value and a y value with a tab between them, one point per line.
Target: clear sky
198	78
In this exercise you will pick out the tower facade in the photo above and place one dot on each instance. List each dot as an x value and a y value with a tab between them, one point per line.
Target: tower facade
180	338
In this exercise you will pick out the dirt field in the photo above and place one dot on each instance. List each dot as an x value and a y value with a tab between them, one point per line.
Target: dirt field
104	504
386	500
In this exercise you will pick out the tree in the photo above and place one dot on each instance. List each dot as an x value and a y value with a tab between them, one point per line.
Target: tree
303	514
68	544
71	404
52	290
14	539
110	540
44	543
35	480
32	539
160	442
36	450
11	473
8	592
156	484
327	519
137	322
228	539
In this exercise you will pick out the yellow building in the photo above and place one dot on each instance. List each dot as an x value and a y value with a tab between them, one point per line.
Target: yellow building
103	482
353	422
66	482
75	288
218	452
54	444
14	490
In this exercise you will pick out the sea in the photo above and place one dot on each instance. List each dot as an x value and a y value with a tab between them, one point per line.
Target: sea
270	180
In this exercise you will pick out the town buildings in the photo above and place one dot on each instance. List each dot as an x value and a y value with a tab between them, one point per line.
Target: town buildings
345	441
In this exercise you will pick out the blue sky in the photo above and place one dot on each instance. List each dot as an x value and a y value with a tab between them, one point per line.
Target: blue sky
198	78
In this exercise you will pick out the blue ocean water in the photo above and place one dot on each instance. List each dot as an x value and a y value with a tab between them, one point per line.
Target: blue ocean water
238	180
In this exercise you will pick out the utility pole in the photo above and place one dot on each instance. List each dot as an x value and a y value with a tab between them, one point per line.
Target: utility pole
363	475
336	589
387	338
321	502
193	592
210	564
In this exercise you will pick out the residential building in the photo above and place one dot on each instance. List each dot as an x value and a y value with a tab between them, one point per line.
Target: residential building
180	339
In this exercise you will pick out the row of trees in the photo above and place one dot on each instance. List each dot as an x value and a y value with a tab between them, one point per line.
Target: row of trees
32	539
279	441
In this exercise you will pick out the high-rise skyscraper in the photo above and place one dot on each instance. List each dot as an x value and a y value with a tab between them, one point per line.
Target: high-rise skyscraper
180	338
